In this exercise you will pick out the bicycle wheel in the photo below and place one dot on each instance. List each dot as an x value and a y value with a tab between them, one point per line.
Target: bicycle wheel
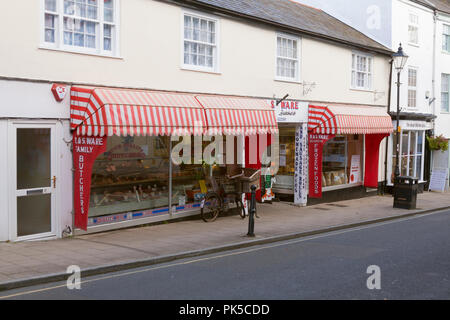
211	207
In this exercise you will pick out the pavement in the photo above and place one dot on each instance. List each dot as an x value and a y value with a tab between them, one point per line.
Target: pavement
30	263
394	260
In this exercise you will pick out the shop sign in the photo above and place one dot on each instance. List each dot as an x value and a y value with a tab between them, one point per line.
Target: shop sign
316	142
411	125
85	151
301	159
59	91
290	111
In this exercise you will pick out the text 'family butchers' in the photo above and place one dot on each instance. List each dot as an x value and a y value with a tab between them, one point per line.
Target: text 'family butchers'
87	142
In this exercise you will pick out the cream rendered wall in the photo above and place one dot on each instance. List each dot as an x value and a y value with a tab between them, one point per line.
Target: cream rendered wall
150	57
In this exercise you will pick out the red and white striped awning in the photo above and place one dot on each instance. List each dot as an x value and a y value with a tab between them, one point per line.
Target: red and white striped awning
238	116
122	112
344	119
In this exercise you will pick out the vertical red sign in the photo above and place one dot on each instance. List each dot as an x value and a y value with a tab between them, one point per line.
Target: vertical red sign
316	142
85	151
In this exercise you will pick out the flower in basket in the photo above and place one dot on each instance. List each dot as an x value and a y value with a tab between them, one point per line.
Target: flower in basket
438	143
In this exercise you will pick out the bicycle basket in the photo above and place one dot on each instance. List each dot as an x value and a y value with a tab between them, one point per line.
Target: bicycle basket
251	177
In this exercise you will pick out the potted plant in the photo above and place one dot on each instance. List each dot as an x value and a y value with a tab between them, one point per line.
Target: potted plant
438	143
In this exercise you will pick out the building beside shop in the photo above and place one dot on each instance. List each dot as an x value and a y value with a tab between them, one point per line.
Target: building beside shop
422	27
93	96
441	88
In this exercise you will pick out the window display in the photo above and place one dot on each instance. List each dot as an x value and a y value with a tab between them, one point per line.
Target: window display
342	160
287	151
133	174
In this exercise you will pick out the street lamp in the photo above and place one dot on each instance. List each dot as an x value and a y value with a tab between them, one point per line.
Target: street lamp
399	60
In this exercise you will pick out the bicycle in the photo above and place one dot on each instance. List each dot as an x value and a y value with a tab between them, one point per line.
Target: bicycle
213	203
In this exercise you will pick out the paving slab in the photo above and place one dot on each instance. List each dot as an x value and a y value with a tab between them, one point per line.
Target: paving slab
22	262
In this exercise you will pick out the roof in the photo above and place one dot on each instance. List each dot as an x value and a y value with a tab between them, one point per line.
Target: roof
439	5
296	17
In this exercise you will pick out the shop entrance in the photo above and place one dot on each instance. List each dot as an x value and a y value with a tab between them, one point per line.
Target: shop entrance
33	177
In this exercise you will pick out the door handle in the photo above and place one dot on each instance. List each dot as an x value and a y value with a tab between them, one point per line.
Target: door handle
54	181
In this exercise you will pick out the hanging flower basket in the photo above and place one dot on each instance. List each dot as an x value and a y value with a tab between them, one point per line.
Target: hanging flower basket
438	143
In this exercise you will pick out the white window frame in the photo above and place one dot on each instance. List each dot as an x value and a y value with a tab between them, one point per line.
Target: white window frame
297	77
368	72
413	88
415	155
59	31
216	47
447	108
416	25
446	38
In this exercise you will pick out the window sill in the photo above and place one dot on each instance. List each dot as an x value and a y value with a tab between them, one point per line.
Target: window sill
288	80
341	186
44	47
190	68
362	90
445	52
413	44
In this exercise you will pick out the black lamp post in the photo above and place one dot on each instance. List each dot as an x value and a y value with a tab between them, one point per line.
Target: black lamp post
399	61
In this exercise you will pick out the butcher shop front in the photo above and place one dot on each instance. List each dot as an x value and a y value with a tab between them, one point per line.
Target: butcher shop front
123	147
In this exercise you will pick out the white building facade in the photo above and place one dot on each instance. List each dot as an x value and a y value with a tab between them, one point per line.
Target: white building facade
150	46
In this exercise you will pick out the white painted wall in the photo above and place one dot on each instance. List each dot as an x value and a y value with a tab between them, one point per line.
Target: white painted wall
442	66
33	102
420	56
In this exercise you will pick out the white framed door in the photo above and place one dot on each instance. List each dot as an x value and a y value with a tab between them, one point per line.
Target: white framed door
33	180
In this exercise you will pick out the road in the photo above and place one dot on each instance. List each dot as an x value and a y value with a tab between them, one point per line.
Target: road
413	256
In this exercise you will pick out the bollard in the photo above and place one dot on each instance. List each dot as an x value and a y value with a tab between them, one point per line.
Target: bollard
251	218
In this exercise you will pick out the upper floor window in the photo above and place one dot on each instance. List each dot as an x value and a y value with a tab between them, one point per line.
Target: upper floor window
287	58
412	88
445	89
446	38
200	43
361	71
413	29
87	26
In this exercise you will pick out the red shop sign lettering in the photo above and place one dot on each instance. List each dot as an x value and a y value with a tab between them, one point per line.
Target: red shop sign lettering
316	142
85	151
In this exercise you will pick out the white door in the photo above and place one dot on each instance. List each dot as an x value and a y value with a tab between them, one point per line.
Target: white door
33	179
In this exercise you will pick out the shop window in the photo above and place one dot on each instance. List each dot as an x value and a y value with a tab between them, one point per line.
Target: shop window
200	43
86	26
133	174
342	160
361	71
287	152
287	58
411	154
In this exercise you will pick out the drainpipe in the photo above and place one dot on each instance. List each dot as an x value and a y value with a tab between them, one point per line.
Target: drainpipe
433	83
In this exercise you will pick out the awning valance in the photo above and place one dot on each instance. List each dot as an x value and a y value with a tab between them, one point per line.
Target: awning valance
122	112
238	116
344	119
